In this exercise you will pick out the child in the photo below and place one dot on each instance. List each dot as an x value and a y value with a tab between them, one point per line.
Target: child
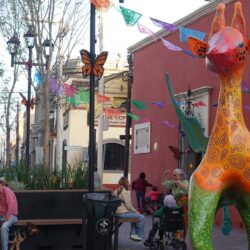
153	195
139	186
152	200
170	202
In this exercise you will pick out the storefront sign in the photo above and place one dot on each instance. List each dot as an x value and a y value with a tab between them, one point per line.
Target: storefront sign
113	120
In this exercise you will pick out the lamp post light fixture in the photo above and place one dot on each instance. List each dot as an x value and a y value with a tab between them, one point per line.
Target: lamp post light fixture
47	45
13	45
189	110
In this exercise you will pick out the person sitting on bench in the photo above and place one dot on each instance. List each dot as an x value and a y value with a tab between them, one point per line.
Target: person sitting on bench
126	210
8	211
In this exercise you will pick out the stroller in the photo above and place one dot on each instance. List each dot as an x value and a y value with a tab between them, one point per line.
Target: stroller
151	206
171	231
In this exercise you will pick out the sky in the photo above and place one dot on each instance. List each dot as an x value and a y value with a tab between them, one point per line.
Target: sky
118	36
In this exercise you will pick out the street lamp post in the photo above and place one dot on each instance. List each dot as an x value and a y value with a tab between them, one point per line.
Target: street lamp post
92	103
128	118
13	45
91	149
29	39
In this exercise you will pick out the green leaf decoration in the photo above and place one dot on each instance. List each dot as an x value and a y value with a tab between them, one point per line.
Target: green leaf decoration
133	116
130	17
139	104
191	126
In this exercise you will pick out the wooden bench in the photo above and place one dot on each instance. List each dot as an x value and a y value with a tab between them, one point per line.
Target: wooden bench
118	222
61	227
43	222
49	227
50	222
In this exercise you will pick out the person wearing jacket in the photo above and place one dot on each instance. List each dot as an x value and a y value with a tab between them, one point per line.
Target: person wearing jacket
177	186
8	212
140	185
169	202
152	195
126	210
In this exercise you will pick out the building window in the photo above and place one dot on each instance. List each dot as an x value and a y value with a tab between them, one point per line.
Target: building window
114	156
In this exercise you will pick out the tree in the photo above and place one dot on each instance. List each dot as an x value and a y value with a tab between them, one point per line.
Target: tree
60	21
6	99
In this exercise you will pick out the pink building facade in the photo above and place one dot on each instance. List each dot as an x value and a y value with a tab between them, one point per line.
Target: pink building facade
158	128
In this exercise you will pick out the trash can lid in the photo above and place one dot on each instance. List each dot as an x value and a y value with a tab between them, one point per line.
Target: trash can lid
102	197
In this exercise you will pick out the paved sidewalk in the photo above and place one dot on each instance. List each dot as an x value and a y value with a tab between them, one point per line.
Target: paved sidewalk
236	240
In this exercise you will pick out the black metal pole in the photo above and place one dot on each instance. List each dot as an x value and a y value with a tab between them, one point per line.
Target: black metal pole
17	133
92	103
29	65
128	118
12	59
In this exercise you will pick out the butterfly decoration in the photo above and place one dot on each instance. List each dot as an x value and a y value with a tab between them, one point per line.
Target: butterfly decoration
95	66
32	102
176	152
101	3
25	101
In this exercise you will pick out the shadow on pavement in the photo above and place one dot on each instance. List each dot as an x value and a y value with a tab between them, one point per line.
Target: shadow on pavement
236	240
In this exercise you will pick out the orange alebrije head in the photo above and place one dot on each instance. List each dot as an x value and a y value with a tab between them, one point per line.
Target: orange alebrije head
227	46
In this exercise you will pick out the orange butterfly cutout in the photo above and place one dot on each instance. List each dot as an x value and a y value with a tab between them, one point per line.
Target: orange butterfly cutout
25	101
197	46
96	67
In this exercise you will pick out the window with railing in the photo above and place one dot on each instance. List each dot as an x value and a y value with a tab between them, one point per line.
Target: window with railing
114	156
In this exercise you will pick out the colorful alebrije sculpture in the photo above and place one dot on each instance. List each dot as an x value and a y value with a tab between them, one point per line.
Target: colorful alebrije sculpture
225	169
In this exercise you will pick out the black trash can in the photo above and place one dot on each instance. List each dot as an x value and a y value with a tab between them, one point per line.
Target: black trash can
100	209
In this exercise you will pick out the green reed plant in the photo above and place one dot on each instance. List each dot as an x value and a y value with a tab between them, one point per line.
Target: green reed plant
80	176
39	177
22	173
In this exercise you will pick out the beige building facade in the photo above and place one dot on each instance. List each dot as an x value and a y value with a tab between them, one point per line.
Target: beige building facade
69	146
